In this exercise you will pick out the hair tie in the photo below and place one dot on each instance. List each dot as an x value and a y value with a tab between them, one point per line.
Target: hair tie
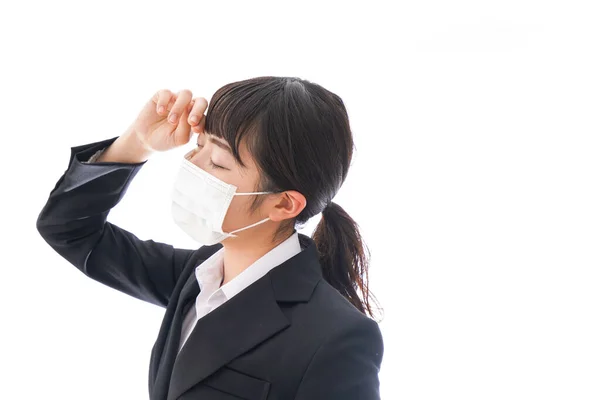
327	206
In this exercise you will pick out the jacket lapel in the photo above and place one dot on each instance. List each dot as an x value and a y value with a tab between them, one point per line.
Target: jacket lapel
246	320
165	349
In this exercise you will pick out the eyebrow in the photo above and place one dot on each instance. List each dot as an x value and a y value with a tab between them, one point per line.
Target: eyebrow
219	143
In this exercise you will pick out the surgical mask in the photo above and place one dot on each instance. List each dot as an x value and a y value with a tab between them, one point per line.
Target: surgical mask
200	202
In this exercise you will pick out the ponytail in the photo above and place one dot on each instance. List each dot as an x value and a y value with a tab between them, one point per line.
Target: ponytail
344	257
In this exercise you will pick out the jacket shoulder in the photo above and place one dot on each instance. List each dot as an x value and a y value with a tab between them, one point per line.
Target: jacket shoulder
335	311
347	354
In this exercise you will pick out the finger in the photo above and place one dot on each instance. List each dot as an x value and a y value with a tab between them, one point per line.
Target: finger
199	127
183	132
198	109
162	98
191	105
183	99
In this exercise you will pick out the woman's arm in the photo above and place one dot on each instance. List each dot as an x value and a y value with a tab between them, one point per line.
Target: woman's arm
73	222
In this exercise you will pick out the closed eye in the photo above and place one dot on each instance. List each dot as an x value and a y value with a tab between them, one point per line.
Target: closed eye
212	164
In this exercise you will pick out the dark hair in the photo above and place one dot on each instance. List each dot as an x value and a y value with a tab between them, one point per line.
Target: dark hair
299	136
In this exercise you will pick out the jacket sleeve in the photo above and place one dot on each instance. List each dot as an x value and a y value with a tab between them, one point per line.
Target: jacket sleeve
73	222
346	366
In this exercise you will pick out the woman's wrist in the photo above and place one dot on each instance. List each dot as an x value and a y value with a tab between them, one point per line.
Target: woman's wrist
127	148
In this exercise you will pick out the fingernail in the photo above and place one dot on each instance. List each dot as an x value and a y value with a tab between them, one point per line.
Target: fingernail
194	119
173	118
161	109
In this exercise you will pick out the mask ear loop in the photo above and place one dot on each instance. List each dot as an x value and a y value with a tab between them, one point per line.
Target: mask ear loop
231	234
249	226
244	194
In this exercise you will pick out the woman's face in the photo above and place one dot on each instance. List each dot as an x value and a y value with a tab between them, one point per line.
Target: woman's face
214	156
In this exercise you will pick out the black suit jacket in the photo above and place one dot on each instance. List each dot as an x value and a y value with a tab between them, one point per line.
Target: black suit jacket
289	335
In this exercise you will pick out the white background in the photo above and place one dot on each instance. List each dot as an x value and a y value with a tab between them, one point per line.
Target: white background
475	180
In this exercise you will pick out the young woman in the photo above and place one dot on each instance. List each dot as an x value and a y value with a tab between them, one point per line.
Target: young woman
259	311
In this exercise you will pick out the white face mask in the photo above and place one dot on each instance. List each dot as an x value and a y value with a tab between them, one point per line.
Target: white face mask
200	202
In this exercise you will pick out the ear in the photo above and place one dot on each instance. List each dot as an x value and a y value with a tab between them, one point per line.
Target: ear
290	204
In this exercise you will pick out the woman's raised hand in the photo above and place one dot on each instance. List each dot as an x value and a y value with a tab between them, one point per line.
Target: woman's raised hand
168	120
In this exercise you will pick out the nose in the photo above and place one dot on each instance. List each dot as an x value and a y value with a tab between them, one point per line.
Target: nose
194	157
190	154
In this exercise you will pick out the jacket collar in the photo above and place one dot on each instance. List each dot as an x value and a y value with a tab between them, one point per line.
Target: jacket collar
295	279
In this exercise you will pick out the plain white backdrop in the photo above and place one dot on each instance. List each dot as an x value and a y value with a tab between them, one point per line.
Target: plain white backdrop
475	179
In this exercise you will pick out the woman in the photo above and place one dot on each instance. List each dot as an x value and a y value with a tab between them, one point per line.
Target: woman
259	311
